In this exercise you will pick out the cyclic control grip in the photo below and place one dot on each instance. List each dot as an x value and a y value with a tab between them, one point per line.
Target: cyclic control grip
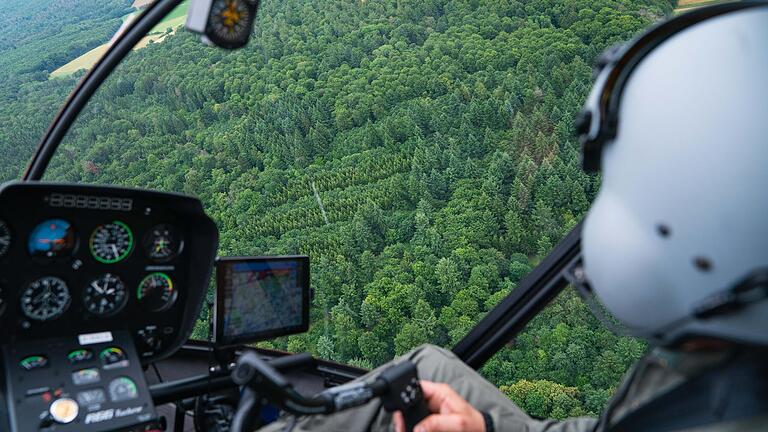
404	393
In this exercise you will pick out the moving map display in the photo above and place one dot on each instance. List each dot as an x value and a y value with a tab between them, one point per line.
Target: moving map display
260	298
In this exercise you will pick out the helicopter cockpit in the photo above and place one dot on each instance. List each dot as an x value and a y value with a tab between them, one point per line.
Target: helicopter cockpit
103	289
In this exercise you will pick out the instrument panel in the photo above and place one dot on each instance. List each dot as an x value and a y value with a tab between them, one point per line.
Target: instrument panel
80	259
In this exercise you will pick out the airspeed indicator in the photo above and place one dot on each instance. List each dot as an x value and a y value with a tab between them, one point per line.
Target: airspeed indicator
111	243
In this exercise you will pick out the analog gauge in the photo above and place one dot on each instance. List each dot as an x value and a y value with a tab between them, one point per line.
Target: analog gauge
45	299
122	389
86	377
230	21
156	292
163	243
53	238
33	362
92	398
113	358
79	356
111	243
105	295
5	238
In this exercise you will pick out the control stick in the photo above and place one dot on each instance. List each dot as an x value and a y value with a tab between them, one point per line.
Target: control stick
397	386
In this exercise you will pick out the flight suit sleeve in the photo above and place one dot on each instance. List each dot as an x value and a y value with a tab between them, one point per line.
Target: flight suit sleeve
438	365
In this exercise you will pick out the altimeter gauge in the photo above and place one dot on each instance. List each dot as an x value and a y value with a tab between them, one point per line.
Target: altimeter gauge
111	243
45	299
105	295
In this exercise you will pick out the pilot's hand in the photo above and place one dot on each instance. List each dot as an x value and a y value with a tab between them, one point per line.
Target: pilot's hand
452	412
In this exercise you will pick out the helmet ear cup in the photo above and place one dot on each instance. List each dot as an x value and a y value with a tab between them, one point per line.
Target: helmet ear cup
592	137
609	56
613	68
591	150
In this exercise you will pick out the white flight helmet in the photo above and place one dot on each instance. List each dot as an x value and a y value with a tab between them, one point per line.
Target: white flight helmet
676	242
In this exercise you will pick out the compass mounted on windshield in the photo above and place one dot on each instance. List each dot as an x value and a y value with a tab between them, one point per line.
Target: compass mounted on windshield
224	23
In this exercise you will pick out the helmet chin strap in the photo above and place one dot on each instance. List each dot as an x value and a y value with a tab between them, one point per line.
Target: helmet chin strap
751	289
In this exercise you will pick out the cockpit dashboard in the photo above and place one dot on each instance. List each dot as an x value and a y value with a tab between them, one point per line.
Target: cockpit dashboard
95	282
78	259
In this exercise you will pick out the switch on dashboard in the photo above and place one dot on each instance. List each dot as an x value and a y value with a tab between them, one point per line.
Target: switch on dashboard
149	340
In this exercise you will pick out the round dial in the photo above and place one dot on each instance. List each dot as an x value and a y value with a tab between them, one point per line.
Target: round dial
45	299
33	362
105	295
163	243
111	243
113	357
122	389
79	356
156	292
5	238
229	21
53	238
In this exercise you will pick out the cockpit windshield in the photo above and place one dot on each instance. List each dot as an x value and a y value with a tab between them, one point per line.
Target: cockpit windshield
43	42
420	152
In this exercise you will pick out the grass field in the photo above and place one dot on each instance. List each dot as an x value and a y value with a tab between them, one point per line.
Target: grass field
141	3
685	5
85	61
174	20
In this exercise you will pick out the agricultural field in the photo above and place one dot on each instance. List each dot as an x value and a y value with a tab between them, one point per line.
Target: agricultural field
175	19
85	61
158	34
686	5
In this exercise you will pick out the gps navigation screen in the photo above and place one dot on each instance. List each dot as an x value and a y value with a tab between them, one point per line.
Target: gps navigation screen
261	298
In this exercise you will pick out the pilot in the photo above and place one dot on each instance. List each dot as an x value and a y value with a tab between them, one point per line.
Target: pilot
675	246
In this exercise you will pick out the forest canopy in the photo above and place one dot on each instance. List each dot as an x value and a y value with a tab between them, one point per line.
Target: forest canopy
437	135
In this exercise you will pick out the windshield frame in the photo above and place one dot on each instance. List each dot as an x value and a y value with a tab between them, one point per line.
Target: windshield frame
86	88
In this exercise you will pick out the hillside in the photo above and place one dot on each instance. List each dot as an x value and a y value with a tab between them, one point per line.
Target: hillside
436	133
170	24
33	45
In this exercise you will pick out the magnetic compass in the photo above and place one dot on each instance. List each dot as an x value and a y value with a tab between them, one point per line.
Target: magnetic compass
230	22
